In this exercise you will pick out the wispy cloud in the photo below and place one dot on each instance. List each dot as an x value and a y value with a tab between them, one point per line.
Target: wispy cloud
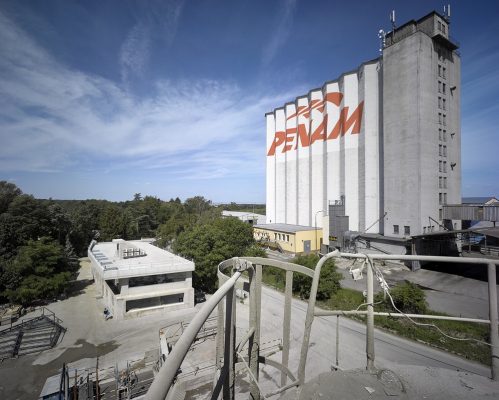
54	118
281	32
158	19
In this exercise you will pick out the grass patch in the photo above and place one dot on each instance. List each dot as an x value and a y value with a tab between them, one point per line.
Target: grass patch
348	299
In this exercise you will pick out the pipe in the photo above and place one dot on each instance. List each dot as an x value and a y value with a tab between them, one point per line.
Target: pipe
161	384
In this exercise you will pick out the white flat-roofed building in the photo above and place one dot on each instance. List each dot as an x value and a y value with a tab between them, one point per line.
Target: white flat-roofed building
249	217
135	278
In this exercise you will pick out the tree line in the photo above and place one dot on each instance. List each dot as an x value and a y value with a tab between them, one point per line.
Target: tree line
41	239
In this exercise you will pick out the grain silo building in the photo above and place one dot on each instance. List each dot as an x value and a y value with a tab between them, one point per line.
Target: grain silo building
376	153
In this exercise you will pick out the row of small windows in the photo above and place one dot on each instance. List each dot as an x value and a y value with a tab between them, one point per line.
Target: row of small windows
407	230
442	199
442	27
442	119
442	182
442	71
442	135
281	236
441	103
442	87
442	166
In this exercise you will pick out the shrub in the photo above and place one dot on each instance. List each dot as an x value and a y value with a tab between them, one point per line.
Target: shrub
408	298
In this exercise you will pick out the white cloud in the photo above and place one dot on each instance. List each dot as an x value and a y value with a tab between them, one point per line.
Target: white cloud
53	118
281	33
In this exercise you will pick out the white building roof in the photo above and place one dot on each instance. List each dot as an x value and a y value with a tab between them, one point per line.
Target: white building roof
155	261
242	215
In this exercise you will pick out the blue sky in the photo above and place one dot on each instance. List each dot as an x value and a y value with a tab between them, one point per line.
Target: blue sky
167	98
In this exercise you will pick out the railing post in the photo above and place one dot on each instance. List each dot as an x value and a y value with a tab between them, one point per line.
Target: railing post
219	339
370	319
494	335
288	295
254	322
229	346
337	341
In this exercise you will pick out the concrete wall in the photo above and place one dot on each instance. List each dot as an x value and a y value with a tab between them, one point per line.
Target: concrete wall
418	119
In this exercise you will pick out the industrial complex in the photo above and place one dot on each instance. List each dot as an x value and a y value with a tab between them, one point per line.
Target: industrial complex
377	151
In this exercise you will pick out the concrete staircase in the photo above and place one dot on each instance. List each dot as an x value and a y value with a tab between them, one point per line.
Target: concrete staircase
31	336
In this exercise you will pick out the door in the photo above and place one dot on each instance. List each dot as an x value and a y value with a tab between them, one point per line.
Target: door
306	246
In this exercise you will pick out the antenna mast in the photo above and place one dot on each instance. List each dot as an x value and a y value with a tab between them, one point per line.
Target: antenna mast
392	19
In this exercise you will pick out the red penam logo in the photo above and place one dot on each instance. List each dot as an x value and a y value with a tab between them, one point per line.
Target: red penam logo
292	137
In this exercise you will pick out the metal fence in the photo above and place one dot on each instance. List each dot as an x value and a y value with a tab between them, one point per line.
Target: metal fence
229	353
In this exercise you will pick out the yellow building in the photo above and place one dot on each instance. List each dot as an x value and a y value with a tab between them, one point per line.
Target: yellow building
290	238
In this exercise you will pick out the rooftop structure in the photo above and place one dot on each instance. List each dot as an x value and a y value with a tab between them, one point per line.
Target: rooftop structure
135	277
249	217
290	238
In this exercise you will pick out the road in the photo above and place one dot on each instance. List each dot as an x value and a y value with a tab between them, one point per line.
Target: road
391	351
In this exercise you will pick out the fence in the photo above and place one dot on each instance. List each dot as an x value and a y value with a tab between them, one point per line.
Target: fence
229	353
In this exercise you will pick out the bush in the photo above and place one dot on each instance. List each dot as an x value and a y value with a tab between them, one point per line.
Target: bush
408	298
329	282
255	251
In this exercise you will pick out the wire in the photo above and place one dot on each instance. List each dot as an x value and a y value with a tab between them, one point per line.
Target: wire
386	289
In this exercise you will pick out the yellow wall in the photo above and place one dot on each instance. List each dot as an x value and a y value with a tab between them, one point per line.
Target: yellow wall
295	244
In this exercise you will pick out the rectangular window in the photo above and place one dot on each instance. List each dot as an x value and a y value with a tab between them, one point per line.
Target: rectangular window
443	28
287	238
445	198
443	119
440	182
440	198
440	150
439	134
445	182
440	166
443	104
443	88
443	72
439	118
444	148
396	229
407	230
444	135
439	87
439	102
439	70
439	26
445	166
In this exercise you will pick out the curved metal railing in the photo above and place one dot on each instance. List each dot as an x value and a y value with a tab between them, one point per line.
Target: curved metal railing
229	353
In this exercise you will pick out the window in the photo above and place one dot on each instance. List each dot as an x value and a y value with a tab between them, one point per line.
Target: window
439	70
443	72
440	182
440	197
443	88
444	135
443	119
287	238
440	166
439	134
440	150
443	28
444	148
407	230
439	118
445	182
396	229
439	102
443	104
445	166
439	26
445	198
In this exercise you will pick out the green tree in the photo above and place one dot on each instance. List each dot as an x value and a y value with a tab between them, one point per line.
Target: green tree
210	243
8	192
329	282
116	223
41	270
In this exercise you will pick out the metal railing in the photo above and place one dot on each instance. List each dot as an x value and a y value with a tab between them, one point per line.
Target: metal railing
229	353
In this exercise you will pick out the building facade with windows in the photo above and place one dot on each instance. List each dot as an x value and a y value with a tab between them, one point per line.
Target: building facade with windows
377	151
135	278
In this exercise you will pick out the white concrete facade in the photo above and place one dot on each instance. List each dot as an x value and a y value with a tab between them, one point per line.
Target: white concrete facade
135	278
384	139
